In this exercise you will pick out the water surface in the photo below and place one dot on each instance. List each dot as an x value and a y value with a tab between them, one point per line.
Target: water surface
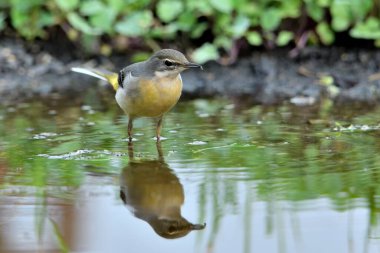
279	179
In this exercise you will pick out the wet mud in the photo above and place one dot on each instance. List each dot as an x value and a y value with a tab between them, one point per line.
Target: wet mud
264	77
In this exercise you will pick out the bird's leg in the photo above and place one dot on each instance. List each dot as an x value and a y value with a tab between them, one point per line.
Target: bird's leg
130	150
159	151
130	126
158	129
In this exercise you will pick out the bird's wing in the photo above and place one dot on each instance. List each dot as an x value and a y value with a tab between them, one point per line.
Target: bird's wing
129	74
126	78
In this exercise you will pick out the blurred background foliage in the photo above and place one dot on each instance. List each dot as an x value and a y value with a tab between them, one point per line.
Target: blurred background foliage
210	29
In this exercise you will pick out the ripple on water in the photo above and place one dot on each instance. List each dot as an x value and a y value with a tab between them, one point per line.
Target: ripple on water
83	154
44	135
197	143
354	128
70	155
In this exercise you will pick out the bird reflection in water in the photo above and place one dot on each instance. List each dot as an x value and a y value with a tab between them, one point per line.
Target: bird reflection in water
153	193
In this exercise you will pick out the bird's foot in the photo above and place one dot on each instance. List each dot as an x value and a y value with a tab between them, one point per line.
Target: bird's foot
130	139
159	138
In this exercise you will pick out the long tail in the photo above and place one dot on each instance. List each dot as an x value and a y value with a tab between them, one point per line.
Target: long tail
105	75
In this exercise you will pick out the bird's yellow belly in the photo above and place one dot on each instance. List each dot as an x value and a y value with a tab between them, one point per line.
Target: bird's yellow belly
153	99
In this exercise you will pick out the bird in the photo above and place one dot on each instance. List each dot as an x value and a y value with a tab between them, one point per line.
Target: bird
148	88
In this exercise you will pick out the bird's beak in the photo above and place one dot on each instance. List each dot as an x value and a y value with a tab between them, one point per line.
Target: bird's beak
192	65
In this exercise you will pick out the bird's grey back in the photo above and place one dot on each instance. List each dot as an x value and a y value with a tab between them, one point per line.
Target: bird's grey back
136	69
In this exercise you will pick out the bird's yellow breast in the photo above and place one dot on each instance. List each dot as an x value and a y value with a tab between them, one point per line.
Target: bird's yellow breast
154	97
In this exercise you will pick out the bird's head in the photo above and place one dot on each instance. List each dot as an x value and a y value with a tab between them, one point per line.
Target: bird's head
169	62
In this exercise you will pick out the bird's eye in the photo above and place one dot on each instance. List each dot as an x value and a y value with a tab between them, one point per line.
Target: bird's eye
168	63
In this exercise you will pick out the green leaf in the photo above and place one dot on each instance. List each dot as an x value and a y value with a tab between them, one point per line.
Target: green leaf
21	5
199	29
314	10
250	10
254	38
45	19
2	20
206	52
67	5
167	31
222	23
140	56
29	23
370	29
186	21
328	81
104	20
135	24
240	26
324	3
325	34
168	10
201	7
117	5
81	24
222	41
290	8
377	43
91	7
283	38
4	3
271	19
361	8
341	18
224	6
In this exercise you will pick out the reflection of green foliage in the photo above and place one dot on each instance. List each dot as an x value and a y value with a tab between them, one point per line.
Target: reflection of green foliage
269	22
271	152
286	162
42	152
61	242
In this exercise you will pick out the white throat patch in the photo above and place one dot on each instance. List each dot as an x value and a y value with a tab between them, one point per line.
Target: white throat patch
166	73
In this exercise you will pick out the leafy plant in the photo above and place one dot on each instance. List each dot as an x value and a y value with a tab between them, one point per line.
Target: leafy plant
209	28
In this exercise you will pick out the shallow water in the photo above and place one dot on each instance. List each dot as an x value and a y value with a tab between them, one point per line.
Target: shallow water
281	179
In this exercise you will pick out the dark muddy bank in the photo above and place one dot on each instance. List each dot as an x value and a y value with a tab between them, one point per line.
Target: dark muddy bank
270	77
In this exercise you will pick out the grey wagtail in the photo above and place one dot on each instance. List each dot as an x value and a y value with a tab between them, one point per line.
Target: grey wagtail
149	88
